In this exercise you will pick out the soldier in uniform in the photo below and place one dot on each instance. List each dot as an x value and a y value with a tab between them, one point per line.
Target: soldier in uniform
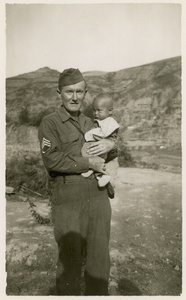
81	211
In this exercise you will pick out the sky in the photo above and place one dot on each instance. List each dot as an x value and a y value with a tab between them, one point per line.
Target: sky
103	36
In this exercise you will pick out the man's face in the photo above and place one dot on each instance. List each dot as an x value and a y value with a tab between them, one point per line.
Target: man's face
72	97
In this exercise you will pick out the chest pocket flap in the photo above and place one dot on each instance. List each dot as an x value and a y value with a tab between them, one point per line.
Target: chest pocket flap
70	137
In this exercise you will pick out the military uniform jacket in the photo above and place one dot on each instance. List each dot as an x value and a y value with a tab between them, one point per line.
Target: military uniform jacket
61	142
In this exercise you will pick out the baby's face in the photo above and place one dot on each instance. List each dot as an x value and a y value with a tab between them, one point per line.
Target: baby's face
100	110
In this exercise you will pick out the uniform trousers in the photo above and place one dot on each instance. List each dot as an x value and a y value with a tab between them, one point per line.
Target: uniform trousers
81	214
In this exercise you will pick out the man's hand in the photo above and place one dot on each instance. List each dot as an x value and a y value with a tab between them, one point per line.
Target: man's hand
97	164
100	147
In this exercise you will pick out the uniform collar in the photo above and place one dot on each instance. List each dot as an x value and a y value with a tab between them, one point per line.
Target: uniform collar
66	116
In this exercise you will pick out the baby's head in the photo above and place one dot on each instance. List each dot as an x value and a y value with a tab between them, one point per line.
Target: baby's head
102	106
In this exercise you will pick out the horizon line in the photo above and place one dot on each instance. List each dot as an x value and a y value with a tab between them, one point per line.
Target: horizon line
44	67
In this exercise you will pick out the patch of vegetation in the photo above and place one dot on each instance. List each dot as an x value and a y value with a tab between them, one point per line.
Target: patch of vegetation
33	118
38	217
24	116
87	110
167	79
125	158
146	165
25	167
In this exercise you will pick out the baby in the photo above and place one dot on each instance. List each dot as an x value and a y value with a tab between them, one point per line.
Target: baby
105	126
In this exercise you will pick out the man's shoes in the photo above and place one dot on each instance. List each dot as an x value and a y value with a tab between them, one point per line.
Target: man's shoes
110	190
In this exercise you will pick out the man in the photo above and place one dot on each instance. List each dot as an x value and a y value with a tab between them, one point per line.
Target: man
80	209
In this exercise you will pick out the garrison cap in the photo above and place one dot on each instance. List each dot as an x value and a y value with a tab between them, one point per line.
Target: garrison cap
69	76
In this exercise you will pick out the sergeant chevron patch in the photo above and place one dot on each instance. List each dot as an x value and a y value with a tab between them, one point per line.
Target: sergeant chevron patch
46	145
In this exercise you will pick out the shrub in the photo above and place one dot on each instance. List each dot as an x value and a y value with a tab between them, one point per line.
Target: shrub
24	116
125	159
87	110
25	167
32	116
36	118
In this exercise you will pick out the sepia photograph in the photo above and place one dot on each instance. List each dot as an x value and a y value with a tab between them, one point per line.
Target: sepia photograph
93	148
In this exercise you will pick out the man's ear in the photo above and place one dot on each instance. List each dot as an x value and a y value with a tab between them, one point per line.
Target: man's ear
110	111
58	94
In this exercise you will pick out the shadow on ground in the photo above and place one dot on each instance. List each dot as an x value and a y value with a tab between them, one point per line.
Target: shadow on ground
128	288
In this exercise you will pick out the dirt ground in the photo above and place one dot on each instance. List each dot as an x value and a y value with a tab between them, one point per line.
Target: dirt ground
145	244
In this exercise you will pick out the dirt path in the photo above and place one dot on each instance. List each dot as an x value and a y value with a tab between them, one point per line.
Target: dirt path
145	244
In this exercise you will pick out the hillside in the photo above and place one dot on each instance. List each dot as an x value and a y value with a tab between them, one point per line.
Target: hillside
147	104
